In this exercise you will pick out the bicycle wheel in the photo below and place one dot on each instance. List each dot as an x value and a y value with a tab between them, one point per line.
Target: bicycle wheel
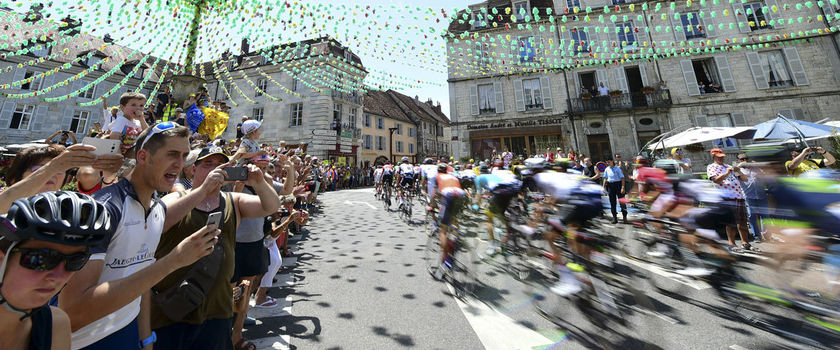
465	263
430	223
432	254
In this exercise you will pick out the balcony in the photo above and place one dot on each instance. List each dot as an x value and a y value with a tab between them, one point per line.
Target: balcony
626	101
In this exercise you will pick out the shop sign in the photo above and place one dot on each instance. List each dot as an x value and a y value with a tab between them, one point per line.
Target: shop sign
516	124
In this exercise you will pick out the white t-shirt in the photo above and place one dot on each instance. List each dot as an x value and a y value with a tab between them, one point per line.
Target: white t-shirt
130	249
603	91
377	174
129	130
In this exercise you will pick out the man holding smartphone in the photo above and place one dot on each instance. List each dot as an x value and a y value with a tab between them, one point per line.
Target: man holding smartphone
800	164
209	326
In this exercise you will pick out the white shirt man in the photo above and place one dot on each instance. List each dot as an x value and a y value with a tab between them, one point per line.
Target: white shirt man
603	90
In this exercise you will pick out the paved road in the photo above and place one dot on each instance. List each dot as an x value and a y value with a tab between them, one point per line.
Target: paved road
358	281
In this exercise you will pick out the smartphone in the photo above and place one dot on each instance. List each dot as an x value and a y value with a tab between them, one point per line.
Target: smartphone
103	146
236	173
214	219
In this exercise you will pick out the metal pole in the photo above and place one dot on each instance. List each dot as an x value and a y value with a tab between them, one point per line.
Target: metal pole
799	132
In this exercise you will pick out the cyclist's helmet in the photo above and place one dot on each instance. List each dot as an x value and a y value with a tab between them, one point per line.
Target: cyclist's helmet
536	163
428	161
484	169
668	165
62	217
404	159
647	174
641	161
457	167
562	163
442	168
497	163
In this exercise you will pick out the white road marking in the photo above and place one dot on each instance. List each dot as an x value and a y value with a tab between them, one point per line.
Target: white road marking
698	285
737	347
496	330
365	203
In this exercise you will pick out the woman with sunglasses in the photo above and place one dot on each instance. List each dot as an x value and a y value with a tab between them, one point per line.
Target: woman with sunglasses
44	239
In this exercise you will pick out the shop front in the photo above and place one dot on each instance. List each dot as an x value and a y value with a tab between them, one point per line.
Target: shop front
525	138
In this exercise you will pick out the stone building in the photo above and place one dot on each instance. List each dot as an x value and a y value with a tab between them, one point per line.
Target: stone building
520	94
284	86
53	60
420	129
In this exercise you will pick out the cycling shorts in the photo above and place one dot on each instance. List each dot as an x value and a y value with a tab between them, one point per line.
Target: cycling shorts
467	182
450	205
580	213
407	182
388	179
500	199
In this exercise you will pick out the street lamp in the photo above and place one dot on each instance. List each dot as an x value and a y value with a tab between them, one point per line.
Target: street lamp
391	142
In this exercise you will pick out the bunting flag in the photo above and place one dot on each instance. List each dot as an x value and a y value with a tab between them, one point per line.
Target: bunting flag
194	118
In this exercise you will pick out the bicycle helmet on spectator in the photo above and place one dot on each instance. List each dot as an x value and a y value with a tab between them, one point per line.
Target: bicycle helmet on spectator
63	217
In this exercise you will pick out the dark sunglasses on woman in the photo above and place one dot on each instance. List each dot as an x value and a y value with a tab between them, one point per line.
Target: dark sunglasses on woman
45	259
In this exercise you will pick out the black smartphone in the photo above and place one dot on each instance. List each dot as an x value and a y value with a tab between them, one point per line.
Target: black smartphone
236	173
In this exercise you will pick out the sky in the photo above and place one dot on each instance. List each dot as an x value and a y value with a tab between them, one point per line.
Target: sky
399	43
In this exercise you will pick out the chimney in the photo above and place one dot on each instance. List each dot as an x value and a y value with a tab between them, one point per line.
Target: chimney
244	47
416	99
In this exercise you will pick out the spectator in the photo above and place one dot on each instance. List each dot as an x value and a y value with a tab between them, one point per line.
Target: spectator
239	133
128	125
799	164
662	86
208	326
275	261
249	147
64	139
725	177
185	178
683	164
589	170
90	180
603	90
754	194
96	130
31	275
614	182
42	169
626	170
161	102
109	115
105	299
189	102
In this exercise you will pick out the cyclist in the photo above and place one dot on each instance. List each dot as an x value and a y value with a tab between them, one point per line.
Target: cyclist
467	178
387	177
377	180
503	187
429	172
405	176
44	240
448	190
582	203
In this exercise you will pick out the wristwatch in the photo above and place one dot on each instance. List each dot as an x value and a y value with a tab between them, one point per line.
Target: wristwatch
145	342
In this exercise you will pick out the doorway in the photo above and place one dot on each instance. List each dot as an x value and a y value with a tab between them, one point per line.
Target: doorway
599	147
588	81
635	84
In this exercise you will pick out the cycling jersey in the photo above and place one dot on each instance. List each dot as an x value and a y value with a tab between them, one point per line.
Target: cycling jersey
130	249
450	188
584	196
377	175
388	169
406	170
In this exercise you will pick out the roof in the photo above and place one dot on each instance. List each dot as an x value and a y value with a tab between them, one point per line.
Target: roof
381	104
460	25
424	110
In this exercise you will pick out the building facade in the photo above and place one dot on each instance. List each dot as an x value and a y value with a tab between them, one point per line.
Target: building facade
50	68
531	87
322	115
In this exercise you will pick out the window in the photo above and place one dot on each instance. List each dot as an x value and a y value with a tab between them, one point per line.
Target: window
262	85
691	26
520	10
367	120
264	60
257	114
399	146
232	65
755	16
296	116
301	50
33	85
367	142
21	117
486	99
572	3
38	49
294	84
527	51
380	143
619	2
399	128
88	94
706	72
480	52
410	132
626	37
794	113
78	124
380	123
337	112
775	69
352	117
411	148
140	72
581	40
90	61
532	94
478	20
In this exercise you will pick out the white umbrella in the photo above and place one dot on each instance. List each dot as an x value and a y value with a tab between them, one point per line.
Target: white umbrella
703	134
833	123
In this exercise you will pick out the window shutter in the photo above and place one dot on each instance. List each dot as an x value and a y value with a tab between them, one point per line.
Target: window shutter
48	81
500	99
566	43
577	85
690	78
727	82
602	77
829	10
643	73
740	18
757	72
545	90
796	67
6	113
38	118
701	120
518	95
738	118
597	38
474	99
676	27
787	113
778	21
799	113
620	79
19	74
709	24
68	116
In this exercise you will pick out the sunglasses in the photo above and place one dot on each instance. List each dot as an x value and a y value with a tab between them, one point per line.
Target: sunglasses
743	159
157	129
43	259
